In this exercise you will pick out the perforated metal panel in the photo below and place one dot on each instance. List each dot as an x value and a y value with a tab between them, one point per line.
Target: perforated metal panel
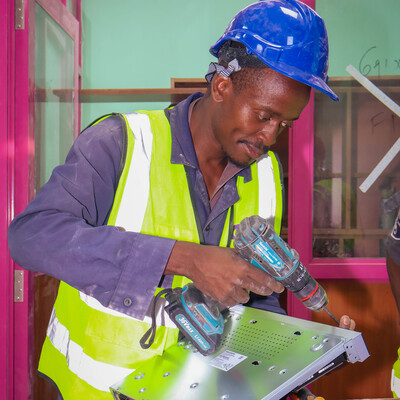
262	356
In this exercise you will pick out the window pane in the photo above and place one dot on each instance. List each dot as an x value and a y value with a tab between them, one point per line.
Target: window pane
54	69
351	138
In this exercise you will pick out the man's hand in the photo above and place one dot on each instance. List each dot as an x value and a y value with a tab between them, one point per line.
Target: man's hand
220	273
347	323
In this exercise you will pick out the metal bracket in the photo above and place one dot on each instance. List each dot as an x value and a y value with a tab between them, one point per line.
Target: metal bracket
19	14
18	286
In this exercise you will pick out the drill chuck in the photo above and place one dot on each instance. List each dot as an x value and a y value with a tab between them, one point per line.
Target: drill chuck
258	243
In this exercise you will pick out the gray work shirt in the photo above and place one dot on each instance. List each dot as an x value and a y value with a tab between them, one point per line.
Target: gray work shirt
63	232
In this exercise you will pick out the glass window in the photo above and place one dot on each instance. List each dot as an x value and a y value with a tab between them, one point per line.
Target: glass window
54	82
351	138
355	134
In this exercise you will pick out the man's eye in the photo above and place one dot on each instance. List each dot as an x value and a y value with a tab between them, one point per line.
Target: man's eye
263	117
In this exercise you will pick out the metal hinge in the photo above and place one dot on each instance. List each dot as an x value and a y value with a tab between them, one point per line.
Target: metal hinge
19	14
18	286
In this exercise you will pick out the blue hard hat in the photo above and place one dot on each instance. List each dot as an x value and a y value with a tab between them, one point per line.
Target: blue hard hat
286	35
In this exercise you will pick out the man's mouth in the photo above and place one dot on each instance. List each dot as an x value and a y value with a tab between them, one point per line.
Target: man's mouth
255	150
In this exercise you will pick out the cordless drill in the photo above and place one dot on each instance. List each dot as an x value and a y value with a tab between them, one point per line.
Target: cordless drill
197	315
258	243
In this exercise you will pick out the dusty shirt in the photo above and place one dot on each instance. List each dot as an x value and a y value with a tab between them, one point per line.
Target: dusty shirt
63	232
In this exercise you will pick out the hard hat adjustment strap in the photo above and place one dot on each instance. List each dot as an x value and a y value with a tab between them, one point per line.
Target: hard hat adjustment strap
214	67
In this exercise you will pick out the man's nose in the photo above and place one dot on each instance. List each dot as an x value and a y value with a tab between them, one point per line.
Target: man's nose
270	132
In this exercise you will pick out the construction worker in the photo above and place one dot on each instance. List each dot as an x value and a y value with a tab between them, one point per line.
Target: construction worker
393	269
150	200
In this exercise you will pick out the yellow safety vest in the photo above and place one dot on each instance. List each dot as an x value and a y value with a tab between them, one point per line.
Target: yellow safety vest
89	347
395	380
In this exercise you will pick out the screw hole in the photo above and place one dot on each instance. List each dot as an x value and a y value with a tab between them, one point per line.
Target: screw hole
283	371
298	333
256	362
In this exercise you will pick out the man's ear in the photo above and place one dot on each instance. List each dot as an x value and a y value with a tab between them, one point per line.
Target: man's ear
220	87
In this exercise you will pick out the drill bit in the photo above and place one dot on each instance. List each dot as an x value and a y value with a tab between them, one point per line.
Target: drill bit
331	315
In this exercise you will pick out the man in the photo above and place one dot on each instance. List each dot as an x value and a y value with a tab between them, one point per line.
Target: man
393	268
151	200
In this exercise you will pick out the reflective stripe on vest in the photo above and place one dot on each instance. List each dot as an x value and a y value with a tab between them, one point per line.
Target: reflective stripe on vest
80	363
146	201
395	381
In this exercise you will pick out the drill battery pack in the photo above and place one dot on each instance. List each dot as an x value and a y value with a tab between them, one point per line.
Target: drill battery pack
197	316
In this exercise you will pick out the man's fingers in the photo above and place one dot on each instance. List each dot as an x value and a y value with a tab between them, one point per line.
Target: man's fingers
267	287
238	295
241	295
347	323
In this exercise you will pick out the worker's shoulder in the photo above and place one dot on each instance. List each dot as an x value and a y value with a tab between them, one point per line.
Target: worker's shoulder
107	124
106	129
105	137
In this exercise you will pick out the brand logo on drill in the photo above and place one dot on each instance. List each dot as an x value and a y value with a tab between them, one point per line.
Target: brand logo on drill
192	331
185	323
263	249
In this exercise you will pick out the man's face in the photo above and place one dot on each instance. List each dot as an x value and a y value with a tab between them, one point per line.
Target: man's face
249	121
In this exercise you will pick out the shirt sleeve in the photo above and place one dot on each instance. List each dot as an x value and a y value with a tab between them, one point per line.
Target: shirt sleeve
393	242
63	232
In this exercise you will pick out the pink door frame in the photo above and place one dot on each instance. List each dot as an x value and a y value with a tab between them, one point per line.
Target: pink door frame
15	374
17	78
6	190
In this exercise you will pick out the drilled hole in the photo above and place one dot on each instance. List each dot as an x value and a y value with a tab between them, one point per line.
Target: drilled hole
283	371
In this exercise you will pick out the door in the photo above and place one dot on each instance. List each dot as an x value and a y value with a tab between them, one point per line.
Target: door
40	118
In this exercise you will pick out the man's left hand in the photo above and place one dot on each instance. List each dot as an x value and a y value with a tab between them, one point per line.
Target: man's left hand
347	323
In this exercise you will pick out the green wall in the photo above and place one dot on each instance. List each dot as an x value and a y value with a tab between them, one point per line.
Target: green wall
364	33
142	44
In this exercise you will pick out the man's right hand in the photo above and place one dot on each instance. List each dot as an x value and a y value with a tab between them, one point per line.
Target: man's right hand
220	273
